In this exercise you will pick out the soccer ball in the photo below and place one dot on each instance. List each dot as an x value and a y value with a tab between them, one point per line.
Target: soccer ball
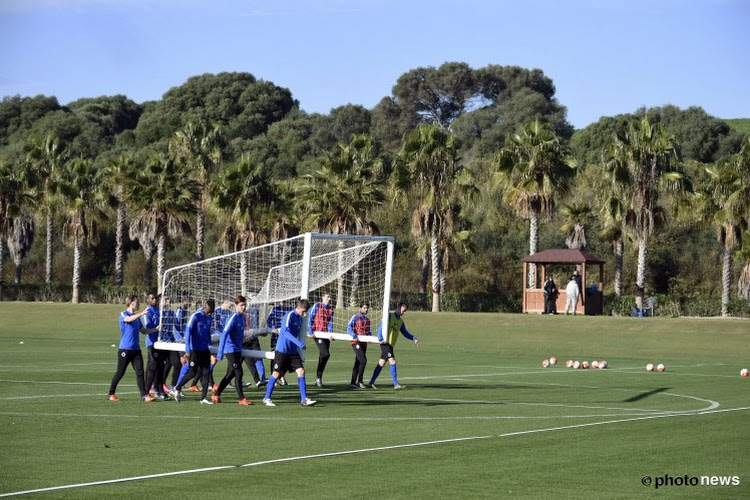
603	364
569	363
553	360
744	373
585	365
576	365
545	363
660	368
650	367
594	364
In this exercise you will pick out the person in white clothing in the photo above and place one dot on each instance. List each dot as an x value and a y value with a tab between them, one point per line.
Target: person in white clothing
571	295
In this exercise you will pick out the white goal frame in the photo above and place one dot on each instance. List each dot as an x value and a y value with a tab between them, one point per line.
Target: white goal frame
304	290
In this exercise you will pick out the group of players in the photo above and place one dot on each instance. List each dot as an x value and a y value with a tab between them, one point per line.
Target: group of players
197	362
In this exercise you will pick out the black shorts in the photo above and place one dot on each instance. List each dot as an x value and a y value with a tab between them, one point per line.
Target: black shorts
283	362
386	351
200	359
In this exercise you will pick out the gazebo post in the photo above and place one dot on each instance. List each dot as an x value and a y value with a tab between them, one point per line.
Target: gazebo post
523	284
583	286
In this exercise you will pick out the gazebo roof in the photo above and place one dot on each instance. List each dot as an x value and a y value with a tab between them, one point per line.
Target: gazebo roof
562	256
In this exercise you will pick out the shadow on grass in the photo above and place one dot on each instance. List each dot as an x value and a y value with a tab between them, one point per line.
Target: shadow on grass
645	395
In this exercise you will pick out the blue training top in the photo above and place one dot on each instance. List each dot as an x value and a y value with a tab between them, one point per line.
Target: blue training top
198	332
232	335
129	332
289	342
152	320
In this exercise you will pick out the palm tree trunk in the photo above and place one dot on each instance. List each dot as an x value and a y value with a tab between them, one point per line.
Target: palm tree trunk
435	256
640	281
120	245
148	254
619	251
743	284
726	280
200	228
161	248
243	273
2	265
340	300
533	245
425	272
48	268
76	267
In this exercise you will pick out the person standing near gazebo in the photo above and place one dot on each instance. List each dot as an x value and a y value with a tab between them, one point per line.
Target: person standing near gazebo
571	295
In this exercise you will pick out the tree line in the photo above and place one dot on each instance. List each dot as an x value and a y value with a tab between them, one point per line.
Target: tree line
461	164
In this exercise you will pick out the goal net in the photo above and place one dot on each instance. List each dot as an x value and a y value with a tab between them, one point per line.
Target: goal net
353	270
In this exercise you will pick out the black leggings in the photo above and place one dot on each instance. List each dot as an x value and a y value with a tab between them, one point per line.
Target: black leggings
200	365
124	358
234	371
323	346
155	369
358	371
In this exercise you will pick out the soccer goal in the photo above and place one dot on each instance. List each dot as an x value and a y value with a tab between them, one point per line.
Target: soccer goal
352	269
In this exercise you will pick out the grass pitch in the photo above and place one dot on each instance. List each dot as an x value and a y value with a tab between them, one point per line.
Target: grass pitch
480	416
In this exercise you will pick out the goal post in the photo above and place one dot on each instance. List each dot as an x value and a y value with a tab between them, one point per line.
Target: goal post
352	269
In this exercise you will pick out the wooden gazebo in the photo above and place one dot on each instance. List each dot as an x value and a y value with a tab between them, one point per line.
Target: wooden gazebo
591	298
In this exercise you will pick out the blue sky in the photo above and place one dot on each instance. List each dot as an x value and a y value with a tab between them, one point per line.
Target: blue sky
605	57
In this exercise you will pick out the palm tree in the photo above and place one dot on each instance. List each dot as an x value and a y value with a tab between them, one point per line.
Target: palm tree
198	146
536	169
428	165
80	186
340	195
20	239
16	200
577	217
248	199
162	196
644	163
117	173
726	202
47	156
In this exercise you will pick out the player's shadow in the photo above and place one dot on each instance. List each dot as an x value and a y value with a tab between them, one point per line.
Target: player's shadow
645	395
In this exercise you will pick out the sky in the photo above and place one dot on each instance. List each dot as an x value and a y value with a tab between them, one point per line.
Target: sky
606	57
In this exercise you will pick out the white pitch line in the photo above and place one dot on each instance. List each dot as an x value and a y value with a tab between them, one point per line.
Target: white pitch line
103	395
369	450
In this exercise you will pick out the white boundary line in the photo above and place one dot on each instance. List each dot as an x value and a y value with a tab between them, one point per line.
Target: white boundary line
367	450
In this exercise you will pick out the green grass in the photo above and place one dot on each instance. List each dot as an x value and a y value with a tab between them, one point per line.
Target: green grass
476	375
741	125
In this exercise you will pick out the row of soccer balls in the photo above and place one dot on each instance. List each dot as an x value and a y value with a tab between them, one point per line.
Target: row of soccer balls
603	364
575	364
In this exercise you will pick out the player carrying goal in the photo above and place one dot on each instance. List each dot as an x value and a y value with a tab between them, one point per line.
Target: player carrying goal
287	353
395	326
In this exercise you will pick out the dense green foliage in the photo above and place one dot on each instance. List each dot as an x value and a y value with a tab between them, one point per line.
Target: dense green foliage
235	133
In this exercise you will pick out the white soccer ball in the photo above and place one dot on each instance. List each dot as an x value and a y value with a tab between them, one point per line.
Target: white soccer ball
569	363
660	368
553	360
21	342
603	364
744	373
594	364
650	367
545	363
576	365
585	365
114	345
